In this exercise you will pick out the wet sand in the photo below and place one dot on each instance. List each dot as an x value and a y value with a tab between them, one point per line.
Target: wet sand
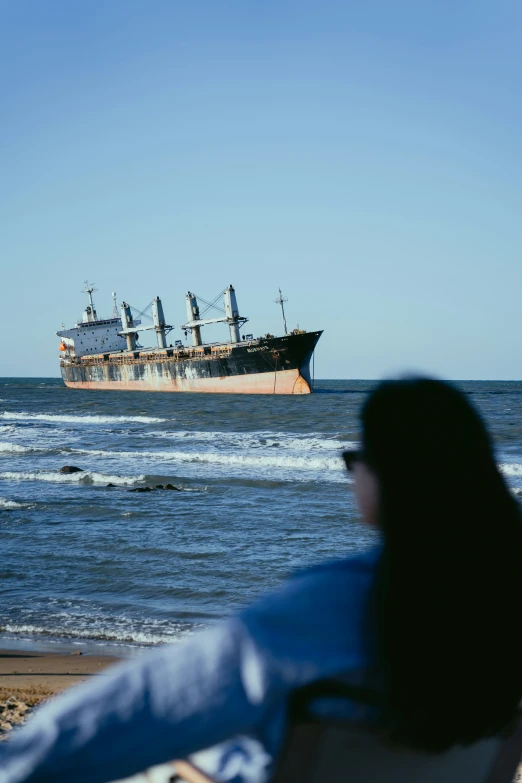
32	676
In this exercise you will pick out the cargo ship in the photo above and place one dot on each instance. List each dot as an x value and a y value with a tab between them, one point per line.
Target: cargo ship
104	353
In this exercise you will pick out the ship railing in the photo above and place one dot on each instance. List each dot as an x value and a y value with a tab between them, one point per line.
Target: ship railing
213	350
138	357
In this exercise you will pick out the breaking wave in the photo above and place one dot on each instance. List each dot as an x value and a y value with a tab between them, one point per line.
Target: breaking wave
13	448
260	439
78	419
11	504
216	458
123	636
510	468
84	477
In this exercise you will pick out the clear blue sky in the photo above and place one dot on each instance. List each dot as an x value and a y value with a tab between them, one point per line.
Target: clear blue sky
364	156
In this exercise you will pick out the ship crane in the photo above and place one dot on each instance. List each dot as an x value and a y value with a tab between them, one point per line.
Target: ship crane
230	316
131	329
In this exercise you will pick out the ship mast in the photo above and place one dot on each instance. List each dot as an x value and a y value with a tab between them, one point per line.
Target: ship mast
232	314
193	315
114	306
159	322
91	310
281	301
129	331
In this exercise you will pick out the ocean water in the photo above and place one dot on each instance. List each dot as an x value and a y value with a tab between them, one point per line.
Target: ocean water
263	492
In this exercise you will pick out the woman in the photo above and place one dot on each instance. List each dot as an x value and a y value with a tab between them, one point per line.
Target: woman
447	587
426	618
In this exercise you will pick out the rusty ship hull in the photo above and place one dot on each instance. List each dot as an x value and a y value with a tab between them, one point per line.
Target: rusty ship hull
271	365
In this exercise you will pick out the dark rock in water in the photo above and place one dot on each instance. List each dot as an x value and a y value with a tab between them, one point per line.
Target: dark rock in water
152	489
110	485
70	469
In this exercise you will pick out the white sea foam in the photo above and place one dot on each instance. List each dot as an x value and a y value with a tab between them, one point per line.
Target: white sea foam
91	633
10	504
83	477
13	448
54	444
276	461
78	419
511	468
16	448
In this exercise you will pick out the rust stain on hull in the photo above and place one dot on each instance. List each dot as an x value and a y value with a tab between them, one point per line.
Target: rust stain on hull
281	382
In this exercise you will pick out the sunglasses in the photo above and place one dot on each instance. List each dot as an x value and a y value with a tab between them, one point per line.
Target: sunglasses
352	456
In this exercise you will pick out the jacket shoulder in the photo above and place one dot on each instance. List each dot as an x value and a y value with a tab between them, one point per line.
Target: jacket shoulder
362	563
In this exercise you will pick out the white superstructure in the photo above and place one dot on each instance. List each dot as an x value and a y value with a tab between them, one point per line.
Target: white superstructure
92	335
89	337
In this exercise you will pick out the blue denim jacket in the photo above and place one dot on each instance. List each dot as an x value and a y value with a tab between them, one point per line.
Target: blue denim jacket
234	679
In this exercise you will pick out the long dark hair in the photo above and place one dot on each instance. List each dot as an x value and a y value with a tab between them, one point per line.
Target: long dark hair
449	587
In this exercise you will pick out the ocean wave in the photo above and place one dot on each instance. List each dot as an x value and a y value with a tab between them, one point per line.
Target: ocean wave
83	477
54	446
13	448
11	504
510	468
260	439
124	636
216	458
79	418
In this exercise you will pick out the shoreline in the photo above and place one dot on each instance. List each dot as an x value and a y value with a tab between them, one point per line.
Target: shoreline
32	677
68	646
